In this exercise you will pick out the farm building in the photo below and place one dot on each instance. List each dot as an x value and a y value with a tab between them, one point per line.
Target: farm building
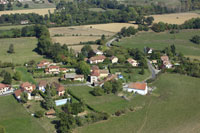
62	101
137	87
74	77
97	59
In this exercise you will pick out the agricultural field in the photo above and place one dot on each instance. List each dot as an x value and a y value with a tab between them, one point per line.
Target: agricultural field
37	11
171	108
175	18
76	34
14	117
23	47
106	103
161	40
77	48
11	27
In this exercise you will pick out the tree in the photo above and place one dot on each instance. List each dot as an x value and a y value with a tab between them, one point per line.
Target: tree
84	69
17	76
149	20
24	97
2	7
7	78
117	86
39	114
173	49
19	4
11	49
196	39
85	50
26	6
9	6
142	71
107	87
97	91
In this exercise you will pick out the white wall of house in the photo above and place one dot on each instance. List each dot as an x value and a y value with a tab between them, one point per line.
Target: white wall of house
41	88
141	92
93	79
79	79
96	61
115	60
2	90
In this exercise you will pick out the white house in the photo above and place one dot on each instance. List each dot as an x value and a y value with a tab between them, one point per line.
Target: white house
97	59
28	88
97	74
133	62
166	61
4	88
43	64
74	77
137	87
98	52
114	59
42	85
52	70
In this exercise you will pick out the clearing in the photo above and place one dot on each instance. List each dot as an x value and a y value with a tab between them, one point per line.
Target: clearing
23	47
26	11
14	117
175	18
161	40
172	109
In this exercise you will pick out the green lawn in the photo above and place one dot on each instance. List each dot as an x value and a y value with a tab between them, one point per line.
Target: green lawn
133	75
174	109
11	26
26	77
107	103
23	47
164	39
15	119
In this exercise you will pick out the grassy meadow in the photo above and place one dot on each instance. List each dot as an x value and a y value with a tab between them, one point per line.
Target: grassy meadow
23	47
26	77
173	107
161	40
15	119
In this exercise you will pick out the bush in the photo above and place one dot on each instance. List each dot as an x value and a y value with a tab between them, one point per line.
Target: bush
39	114
196	39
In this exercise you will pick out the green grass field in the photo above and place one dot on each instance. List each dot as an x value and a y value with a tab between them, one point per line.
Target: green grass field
15	119
26	77
161	40
23	47
11	26
132	76
106	103
173	108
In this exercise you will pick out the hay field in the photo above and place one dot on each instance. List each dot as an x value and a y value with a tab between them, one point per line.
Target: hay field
37	11
175	18
111	27
74	39
77	48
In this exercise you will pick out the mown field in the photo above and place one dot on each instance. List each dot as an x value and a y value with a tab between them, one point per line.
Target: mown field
42	11
161	40
175	18
15	119
173	107
23	47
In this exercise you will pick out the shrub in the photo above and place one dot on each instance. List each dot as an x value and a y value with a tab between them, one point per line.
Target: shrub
39	114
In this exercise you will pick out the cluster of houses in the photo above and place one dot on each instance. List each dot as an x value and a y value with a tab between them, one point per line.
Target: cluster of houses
5	89
28	88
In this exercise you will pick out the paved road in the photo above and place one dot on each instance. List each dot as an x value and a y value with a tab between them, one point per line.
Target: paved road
154	71
108	44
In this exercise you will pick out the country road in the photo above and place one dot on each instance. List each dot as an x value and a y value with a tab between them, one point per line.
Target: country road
108	44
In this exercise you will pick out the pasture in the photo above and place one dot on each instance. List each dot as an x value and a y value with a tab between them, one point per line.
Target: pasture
23	47
161	40
14	118
26	11
173	108
175	18
77	48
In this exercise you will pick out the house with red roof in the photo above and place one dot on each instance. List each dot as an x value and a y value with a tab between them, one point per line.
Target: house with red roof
138	87
18	93
42	85
97	59
97	74
43	64
166	61
28	88
4	88
133	62
60	90
52	70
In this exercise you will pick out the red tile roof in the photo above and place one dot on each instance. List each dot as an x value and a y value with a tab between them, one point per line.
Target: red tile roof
50	112
95	73
54	67
3	86
63	69
42	83
99	57
164	58
60	88
25	84
18	92
137	85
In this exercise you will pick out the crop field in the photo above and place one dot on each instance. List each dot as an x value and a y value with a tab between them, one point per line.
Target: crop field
14	117
23	47
161	40
37	11
77	48
68	40
173	107
175	18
